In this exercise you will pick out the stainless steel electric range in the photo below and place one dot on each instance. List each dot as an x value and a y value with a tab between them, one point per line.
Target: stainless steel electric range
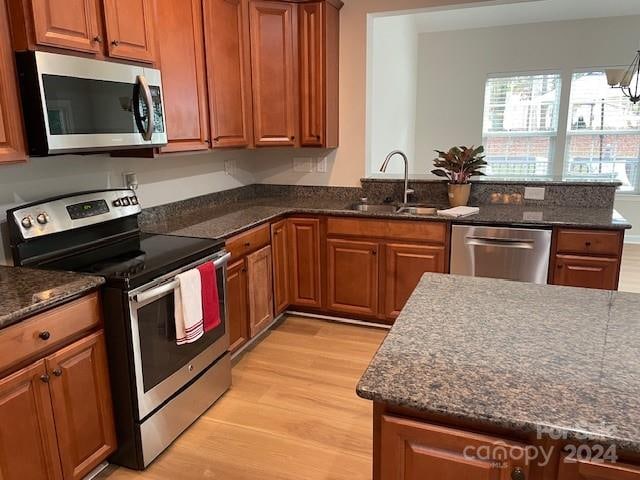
159	388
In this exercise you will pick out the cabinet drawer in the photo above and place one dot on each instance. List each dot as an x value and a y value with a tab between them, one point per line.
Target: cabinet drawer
425	231
249	242
572	469
49	329
590	242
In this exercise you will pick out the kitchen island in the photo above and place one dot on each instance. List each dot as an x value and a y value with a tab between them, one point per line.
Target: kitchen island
483	378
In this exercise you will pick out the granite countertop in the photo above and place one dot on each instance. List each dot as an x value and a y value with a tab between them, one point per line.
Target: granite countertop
517	356
25	292
223	221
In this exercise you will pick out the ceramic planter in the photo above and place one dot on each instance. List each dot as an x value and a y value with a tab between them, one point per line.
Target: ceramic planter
459	194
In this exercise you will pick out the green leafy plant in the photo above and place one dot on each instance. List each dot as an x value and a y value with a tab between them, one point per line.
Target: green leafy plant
459	164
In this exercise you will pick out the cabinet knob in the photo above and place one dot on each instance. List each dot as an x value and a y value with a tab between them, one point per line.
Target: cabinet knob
216	139
115	43
44	378
560	266
57	372
318	137
517	474
97	39
588	244
292	138
44	335
373	252
247	244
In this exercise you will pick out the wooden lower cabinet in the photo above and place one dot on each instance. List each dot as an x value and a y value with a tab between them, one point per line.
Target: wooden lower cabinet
281	277
405	265
571	469
260	290
82	408
237	310
413	450
352	276
28	446
585	271
304	236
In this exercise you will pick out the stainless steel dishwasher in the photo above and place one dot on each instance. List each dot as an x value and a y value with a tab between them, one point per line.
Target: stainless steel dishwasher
499	252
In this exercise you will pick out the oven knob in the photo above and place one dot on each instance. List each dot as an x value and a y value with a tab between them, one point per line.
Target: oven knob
117	203
42	218
27	222
125	201
134	200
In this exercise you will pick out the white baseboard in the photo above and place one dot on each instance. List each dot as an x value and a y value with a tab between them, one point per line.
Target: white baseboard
632	239
340	320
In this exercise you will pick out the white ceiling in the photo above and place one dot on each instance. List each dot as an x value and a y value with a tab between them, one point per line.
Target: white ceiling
521	13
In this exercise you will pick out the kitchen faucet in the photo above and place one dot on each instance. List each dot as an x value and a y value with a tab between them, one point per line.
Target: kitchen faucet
407	190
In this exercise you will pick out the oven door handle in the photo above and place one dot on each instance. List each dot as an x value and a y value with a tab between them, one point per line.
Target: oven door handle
173	284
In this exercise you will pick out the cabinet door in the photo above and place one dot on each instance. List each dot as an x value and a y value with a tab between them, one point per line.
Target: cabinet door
352	276
405	265
413	450
184	84
71	24
237	305
226	26
260	281
82	408
571	469
312	74
280	246
588	272
304	235
273	73
130	29
12	144
28	446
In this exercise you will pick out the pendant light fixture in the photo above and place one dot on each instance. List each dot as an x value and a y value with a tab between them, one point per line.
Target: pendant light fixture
627	80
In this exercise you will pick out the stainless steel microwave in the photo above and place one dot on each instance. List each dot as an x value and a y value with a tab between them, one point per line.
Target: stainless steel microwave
74	104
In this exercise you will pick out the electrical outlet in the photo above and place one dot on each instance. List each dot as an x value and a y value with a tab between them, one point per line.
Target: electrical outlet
230	166
303	165
321	165
534	193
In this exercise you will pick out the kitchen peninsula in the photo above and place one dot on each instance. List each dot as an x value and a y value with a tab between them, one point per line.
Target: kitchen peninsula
474	368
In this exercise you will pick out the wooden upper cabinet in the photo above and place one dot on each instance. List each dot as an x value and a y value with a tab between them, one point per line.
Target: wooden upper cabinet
71	24
280	250
273	70
184	82
405	265
260	289
352	277
572	469
12	142
81	399
28	446
319	30
304	238
412	450
226	27
130	29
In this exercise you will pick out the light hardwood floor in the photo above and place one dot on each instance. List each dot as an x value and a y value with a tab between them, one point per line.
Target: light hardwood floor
630	272
292	413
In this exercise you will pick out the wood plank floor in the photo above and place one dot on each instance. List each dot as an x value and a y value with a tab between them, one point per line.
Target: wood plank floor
630	272
292	413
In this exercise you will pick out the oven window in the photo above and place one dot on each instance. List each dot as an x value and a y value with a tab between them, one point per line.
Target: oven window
84	106
161	357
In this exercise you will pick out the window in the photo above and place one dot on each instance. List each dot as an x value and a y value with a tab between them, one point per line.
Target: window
520	124
603	135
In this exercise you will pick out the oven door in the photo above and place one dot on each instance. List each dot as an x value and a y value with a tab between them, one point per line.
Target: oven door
161	366
93	105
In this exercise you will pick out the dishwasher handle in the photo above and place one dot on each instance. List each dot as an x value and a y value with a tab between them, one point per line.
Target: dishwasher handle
522	244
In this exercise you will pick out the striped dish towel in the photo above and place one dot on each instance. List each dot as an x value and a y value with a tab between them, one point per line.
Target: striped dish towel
188	307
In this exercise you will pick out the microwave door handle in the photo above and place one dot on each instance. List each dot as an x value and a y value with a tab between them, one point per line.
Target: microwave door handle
148	100
172	285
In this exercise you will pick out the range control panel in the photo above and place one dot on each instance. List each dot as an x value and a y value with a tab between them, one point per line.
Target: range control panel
75	211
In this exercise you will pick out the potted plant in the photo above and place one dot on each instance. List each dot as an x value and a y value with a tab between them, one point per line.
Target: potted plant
458	165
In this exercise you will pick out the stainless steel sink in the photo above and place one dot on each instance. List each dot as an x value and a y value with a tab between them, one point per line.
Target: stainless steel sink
373	208
418	210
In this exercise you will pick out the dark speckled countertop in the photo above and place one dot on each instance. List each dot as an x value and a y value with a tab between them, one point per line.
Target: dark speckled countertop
517	356
25	292
223	221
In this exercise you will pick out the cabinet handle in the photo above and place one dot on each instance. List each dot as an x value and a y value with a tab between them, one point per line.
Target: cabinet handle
44	335
517	474
57	372
115	43
97	39
44	378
